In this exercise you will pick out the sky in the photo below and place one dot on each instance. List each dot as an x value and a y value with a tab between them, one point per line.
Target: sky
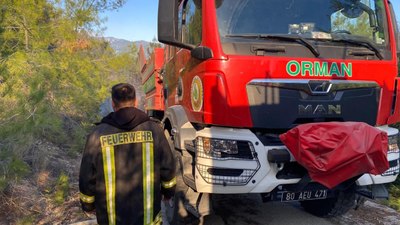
137	20
396	6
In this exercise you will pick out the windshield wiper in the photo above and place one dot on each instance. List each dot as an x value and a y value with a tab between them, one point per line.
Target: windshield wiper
291	37
360	42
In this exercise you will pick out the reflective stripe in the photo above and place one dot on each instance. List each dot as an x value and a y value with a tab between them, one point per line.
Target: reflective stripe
126	138
158	219
109	177
148	182
169	184
86	198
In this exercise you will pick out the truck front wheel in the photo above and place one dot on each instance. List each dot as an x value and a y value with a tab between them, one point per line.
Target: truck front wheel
332	207
176	213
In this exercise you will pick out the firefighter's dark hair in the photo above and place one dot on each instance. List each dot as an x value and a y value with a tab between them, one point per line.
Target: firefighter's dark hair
123	92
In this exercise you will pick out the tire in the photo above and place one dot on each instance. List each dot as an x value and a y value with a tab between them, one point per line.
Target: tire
179	215
332	207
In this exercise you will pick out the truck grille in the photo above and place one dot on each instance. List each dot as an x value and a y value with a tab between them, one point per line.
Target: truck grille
225	176
394	168
284	104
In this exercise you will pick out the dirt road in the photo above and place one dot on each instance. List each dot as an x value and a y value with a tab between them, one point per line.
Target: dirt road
250	210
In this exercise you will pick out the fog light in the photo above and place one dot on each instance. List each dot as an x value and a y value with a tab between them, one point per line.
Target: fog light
392	142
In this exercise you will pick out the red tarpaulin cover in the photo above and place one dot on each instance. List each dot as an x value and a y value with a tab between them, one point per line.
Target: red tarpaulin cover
334	152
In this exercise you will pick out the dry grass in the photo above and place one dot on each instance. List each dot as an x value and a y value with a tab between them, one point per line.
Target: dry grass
33	200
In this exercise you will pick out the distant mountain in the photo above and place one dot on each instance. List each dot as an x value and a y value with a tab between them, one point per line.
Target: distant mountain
121	45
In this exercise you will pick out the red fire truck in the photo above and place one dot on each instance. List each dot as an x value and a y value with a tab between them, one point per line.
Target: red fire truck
238	75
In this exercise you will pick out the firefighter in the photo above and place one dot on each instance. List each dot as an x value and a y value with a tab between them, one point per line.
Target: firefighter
127	165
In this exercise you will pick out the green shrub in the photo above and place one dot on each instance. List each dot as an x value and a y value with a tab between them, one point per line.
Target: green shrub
61	188
27	220
394	199
12	168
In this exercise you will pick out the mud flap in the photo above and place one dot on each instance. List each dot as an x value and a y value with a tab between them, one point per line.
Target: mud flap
198	204
375	191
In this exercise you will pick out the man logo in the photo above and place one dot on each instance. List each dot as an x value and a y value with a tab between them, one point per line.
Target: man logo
308	110
320	87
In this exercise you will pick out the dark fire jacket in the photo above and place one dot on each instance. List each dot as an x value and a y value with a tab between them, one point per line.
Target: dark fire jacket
126	166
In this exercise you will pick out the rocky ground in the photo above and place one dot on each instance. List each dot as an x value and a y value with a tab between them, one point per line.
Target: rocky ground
371	213
250	210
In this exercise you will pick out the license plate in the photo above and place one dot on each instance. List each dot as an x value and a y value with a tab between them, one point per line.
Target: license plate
289	196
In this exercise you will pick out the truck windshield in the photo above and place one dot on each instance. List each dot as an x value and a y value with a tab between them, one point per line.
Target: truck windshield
362	20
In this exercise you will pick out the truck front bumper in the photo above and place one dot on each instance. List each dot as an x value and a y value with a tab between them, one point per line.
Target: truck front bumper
249	171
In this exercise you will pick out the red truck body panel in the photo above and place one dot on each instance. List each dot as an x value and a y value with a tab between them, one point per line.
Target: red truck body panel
151	78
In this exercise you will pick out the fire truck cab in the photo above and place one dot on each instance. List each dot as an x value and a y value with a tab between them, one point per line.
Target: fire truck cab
238	74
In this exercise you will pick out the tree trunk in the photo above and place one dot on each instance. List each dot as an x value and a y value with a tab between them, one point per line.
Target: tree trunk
26	34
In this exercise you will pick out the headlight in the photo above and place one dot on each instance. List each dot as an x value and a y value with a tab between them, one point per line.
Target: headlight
217	147
225	173
392	141
393	150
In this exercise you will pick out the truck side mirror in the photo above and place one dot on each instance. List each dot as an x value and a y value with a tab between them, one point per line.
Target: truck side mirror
167	21
352	12
168	24
201	53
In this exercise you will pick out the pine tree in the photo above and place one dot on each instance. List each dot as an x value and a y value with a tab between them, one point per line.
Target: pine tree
53	74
